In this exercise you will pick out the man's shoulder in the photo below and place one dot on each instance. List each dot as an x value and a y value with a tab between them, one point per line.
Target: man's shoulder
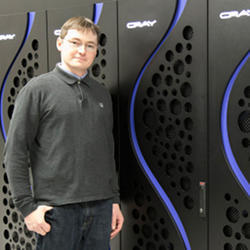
96	84
38	84
41	80
43	77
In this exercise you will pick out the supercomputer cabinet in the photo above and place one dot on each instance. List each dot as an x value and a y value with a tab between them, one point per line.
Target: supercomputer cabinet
184	85
228	112
178	72
23	52
28	49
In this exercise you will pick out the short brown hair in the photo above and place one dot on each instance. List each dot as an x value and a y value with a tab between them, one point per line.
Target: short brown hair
79	23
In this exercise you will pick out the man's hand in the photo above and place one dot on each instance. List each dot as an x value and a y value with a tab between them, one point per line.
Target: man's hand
117	221
35	221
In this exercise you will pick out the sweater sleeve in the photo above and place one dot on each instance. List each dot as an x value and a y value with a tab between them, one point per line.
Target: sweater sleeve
21	135
116	198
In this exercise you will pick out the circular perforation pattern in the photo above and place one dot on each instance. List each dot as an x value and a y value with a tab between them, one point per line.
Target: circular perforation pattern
237	227
150	230
98	69
28	67
167	118
15	233
244	121
244	117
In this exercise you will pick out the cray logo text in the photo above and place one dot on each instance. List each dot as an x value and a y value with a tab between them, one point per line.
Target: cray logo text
234	14
138	24
57	32
4	37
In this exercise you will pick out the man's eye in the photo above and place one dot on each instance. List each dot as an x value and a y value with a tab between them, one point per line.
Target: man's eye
90	46
75	43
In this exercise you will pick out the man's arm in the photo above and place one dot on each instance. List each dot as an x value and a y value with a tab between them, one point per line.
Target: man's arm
21	134
117	220
21	137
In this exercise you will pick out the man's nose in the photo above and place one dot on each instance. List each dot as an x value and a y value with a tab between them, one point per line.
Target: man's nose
82	48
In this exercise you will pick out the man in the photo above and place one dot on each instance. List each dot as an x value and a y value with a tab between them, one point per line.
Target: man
62	128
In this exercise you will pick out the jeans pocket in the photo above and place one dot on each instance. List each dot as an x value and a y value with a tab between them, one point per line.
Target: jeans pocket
49	215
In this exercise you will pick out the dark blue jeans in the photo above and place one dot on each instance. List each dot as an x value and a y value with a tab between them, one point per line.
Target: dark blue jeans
83	226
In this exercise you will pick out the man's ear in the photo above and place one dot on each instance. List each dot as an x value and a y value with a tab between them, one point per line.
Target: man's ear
59	42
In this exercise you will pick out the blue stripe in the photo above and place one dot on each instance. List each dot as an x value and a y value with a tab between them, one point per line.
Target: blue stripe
224	130
97	12
179	10
30	21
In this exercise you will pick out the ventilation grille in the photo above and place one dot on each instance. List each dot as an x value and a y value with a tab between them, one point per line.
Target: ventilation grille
28	69
244	117
99	67
15	232
237	227
149	224
166	111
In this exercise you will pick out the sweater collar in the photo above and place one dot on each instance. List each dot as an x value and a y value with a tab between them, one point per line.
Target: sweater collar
70	78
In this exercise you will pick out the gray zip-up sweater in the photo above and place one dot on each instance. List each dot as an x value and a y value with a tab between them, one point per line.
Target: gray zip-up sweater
62	128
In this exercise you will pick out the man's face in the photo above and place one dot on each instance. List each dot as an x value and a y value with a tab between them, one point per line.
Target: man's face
78	50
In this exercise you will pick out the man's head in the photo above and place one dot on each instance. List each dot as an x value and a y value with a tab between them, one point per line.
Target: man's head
79	23
78	43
